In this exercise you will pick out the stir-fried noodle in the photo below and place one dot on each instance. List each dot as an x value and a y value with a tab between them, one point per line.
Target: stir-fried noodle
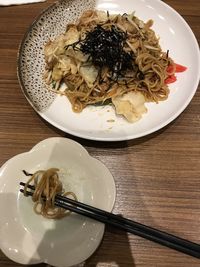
105	56
47	186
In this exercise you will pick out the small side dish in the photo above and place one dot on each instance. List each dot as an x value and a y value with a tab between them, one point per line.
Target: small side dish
28	238
110	59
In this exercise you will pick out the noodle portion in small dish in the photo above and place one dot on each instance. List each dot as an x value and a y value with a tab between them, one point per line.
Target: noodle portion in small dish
110	59
47	185
52	237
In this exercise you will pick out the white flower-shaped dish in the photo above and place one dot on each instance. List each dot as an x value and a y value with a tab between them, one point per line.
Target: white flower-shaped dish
28	238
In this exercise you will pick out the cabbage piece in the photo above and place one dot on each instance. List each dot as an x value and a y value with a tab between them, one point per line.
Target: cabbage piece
89	74
130	105
72	35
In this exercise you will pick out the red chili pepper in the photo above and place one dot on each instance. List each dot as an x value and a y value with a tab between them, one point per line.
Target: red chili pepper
170	79
180	68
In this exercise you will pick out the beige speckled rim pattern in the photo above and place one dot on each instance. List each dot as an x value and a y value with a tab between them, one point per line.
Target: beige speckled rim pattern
31	64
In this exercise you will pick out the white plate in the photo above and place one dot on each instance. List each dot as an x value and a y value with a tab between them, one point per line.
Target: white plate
97	122
28	238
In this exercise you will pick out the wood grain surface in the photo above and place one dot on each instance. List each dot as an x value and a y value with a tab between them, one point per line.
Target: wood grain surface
157	177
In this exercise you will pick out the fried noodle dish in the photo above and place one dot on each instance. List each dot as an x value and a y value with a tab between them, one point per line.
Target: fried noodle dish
47	185
109	59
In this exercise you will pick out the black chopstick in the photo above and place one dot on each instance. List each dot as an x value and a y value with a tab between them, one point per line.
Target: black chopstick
130	226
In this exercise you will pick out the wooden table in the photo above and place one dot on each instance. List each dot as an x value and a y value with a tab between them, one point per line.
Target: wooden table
157	177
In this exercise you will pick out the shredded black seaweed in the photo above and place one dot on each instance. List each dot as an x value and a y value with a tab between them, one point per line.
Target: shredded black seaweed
167	55
27	173
106	49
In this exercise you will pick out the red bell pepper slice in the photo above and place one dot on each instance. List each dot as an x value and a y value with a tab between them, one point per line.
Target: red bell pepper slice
170	79
180	68
170	69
